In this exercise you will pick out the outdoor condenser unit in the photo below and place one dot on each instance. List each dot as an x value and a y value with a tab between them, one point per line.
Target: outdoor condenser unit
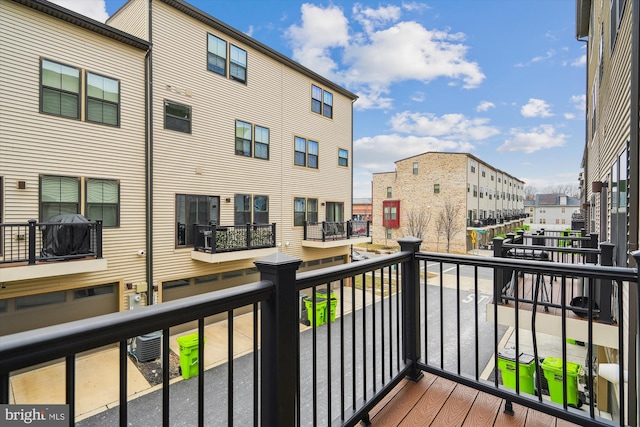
148	346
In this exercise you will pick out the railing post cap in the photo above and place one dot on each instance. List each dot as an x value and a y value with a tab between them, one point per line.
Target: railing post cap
410	243
277	259
606	244
636	256
32	221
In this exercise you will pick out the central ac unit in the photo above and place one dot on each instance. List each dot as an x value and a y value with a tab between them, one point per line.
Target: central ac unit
148	346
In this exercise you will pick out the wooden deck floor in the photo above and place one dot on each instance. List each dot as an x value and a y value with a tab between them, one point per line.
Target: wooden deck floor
435	401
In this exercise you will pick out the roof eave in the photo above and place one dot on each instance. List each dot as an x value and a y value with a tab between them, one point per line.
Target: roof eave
583	11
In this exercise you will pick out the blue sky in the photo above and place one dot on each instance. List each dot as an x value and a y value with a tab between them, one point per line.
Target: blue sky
501	79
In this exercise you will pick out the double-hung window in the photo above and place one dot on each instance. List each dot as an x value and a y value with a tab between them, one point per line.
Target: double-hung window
243	138
217	55
177	117
305	210
261	142
59	195
248	206
103	201
238	64
321	101
103	100
60	89
343	157
305	153
252	140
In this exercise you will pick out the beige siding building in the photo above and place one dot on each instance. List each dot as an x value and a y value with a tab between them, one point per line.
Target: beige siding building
609	179
234	152
477	197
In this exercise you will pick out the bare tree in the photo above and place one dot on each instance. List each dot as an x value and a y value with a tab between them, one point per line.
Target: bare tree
447	224
417	221
530	192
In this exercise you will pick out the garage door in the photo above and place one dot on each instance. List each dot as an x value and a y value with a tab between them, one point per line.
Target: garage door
37	311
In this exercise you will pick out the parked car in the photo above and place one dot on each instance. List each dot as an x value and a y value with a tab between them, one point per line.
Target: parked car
357	256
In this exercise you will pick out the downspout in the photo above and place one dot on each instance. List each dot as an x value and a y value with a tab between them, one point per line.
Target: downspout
149	162
585	157
633	212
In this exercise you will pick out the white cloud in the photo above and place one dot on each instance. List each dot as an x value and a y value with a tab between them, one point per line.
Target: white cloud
378	153
536	108
418	97
414	6
548	55
485	105
580	102
539	138
451	126
411	51
370	19
569	116
321	30
579	62
94	9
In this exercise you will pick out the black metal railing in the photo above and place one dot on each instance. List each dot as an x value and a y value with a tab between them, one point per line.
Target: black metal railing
42	241
227	238
328	230
394	316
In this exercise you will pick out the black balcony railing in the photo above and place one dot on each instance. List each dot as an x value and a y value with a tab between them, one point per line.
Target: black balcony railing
327	230
47	241
227	238
396	316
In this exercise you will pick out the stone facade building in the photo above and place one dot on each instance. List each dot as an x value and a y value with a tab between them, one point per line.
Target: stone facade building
411	199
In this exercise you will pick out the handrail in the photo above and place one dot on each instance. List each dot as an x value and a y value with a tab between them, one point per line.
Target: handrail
29	348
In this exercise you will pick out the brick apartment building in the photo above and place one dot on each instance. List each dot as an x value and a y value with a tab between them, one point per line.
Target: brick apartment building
409	200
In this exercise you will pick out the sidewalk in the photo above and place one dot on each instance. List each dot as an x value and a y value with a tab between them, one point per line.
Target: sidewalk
97	372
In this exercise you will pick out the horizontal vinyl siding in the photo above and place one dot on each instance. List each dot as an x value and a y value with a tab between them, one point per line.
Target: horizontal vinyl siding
33	143
133	18
275	97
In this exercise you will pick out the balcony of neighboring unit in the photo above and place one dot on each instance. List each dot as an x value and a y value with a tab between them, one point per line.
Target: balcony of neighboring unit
221	243
557	298
328	234
495	222
35	250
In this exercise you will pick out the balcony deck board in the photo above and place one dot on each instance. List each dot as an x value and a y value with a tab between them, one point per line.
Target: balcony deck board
435	401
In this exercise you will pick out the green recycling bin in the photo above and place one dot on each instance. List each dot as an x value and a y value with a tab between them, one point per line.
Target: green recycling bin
552	367
188	355
320	310
526	366
331	305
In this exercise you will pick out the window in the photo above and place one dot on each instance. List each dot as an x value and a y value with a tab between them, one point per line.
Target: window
484	171
306	153
492	177
343	157
481	192
468	188
103	100
305	210
321	101
261	142
60	90
391	213
59	195
436	188
238	64
243	138
242	209
335	212
261	209
95	291
40	299
217	55
103	201
415	168
389	192
473	166
177	117
191	210
475	191
389	233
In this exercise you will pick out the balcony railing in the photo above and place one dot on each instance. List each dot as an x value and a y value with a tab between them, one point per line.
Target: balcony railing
228	238
35	241
397	316
327	230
